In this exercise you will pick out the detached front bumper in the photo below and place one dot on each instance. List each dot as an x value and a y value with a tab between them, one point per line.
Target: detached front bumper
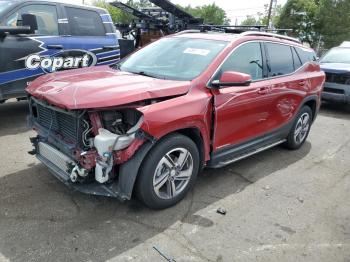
336	92
121	188
58	164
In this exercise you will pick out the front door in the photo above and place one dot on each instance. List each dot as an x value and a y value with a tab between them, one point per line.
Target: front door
242	112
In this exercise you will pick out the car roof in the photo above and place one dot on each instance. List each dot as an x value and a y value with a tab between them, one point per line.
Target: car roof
209	36
249	35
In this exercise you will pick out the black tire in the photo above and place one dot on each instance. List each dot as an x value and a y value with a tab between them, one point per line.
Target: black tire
145	189
293	142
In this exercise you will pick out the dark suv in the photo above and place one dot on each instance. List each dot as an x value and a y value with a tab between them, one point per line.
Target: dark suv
191	100
336	64
39	37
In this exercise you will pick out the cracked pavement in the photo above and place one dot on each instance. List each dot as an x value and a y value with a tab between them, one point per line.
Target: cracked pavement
281	206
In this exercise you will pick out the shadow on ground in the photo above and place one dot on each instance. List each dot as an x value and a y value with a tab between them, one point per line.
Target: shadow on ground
42	220
13	117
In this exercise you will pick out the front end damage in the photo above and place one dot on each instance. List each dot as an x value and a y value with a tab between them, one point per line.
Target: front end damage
95	152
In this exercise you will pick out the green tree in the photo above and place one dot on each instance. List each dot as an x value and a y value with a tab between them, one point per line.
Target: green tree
212	14
119	16
262	17
250	20
317	21
333	22
300	15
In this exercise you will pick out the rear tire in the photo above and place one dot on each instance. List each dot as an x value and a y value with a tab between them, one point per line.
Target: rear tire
300	129
168	172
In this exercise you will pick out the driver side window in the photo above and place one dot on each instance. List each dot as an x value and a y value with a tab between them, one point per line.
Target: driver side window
46	16
247	59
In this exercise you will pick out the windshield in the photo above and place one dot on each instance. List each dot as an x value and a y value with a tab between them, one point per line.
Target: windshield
337	55
173	58
4	5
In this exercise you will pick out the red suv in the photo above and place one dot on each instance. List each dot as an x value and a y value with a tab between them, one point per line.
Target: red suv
148	125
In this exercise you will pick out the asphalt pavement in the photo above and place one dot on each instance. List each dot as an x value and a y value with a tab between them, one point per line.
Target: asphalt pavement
280	206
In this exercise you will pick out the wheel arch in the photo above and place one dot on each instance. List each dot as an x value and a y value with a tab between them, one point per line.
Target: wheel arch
311	102
129	171
196	136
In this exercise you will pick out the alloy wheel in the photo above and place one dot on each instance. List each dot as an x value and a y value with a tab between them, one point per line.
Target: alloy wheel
173	173
302	128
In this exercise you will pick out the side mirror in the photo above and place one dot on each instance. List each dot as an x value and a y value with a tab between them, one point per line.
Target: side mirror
231	78
31	21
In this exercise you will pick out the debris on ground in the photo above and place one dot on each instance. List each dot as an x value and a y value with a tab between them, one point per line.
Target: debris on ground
163	255
221	211
266	188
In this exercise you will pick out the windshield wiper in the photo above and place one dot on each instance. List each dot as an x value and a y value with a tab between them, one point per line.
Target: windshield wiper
143	73
117	66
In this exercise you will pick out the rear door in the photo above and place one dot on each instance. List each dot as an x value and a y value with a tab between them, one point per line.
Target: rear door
289	82
15	49
91	30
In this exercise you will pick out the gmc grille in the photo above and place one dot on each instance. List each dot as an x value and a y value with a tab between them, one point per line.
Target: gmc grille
343	79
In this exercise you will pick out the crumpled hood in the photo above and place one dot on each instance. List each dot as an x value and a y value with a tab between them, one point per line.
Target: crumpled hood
101	86
337	68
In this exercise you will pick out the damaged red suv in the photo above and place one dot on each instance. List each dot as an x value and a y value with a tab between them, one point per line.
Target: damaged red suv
148	125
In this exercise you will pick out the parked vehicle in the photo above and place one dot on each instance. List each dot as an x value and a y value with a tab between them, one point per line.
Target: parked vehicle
187	101
336	64
39	37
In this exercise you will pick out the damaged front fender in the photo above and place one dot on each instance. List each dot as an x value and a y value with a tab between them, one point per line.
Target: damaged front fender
129	170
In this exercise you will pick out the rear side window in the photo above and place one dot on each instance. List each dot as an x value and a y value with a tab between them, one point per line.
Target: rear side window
280	59
85	22
305	55
245	59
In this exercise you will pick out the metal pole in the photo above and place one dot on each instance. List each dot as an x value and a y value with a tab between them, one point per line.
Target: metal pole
269	15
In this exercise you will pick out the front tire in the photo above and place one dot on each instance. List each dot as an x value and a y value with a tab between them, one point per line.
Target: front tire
300	129
168	172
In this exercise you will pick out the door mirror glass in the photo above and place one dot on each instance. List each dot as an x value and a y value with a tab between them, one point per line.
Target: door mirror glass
231	78
31	21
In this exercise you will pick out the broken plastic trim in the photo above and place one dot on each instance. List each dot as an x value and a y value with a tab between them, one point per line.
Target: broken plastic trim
106	143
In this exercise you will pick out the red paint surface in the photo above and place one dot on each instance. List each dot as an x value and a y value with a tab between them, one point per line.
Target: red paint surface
124	155
234	77
241	113
97	87
95	122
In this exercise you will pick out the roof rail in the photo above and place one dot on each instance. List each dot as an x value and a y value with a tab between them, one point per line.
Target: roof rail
190	31
253	33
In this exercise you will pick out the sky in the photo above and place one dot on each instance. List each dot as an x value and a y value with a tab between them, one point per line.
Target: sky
235	9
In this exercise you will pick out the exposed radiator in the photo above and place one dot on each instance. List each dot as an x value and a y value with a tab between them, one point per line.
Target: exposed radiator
57	158
63	123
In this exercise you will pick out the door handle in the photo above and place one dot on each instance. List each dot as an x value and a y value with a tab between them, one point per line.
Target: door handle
54	47
264	90
110	47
